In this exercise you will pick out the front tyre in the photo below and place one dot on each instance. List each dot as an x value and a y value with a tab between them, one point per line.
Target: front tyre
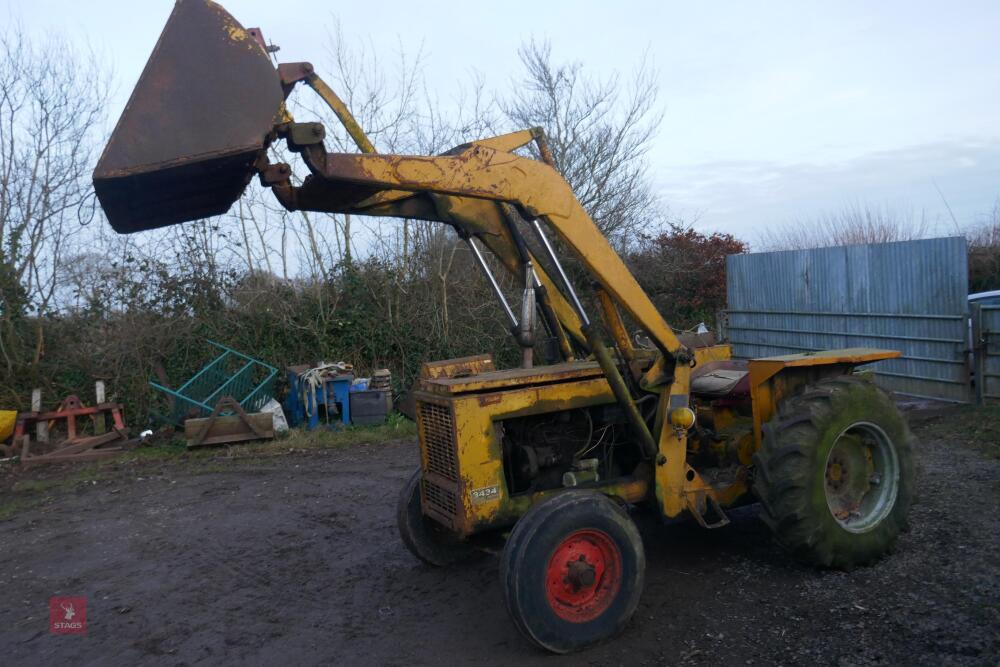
425	538
572	571
835	473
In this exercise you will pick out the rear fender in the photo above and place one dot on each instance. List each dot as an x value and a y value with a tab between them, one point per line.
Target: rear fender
773	378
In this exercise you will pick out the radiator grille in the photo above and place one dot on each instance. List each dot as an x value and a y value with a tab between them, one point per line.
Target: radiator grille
437	427
441	499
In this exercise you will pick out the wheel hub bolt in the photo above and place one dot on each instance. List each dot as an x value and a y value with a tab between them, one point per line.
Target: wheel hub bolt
581	573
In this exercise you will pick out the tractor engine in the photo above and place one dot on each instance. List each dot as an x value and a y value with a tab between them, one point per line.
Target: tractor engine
566	448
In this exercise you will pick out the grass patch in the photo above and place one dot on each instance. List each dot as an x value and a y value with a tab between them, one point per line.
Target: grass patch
89	472
161	452
32	491
397	427
48	484
43	483
9	508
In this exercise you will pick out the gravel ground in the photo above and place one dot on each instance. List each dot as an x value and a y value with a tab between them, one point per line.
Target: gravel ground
294	559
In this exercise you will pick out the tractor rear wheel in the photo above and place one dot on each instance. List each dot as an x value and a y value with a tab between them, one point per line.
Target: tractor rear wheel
425	538
835	473
572	571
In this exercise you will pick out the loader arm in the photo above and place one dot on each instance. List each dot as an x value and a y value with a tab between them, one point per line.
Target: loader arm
477	171
471	217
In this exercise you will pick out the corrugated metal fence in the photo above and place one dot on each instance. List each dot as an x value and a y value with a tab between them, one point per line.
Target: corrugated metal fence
986	340
909	296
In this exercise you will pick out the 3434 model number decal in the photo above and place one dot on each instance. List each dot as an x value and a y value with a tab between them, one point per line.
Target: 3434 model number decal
486	493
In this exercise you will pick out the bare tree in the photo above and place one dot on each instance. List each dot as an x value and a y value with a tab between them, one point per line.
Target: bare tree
52	101
600	132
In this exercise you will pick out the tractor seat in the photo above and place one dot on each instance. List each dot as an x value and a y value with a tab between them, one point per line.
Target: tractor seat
729	377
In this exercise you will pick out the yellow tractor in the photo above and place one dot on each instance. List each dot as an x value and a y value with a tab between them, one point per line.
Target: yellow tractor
550	459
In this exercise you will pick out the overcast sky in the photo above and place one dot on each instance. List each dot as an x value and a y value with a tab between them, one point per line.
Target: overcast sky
775	111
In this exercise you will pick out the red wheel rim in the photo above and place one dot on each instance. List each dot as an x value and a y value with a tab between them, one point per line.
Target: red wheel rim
583	576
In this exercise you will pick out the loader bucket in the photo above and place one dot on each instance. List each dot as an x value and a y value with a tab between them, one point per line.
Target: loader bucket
202	112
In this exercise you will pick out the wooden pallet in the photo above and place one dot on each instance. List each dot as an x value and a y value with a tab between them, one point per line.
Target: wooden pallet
219	429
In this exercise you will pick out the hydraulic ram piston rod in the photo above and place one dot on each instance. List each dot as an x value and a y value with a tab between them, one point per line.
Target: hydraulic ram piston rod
562	274
493	282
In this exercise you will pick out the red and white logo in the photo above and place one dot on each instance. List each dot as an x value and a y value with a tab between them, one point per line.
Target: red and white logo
67	615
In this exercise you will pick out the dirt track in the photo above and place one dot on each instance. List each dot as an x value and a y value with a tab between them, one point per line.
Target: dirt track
295	560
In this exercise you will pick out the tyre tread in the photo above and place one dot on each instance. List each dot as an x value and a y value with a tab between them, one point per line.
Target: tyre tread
785	473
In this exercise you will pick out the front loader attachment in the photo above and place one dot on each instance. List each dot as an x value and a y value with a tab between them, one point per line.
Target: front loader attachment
200	115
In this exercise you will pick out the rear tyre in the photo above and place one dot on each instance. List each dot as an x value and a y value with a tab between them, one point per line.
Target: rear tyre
835	473
572	571
425	538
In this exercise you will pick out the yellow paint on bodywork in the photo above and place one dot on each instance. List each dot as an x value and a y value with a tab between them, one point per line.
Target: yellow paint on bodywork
477	441
508	143
236	33
703	355
613	320
464	366
514	377
671	464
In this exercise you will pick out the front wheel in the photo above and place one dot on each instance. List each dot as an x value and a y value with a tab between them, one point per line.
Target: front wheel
425	538
835	473
572	571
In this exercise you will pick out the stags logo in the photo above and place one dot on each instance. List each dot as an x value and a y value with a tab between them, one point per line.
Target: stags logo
67	615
